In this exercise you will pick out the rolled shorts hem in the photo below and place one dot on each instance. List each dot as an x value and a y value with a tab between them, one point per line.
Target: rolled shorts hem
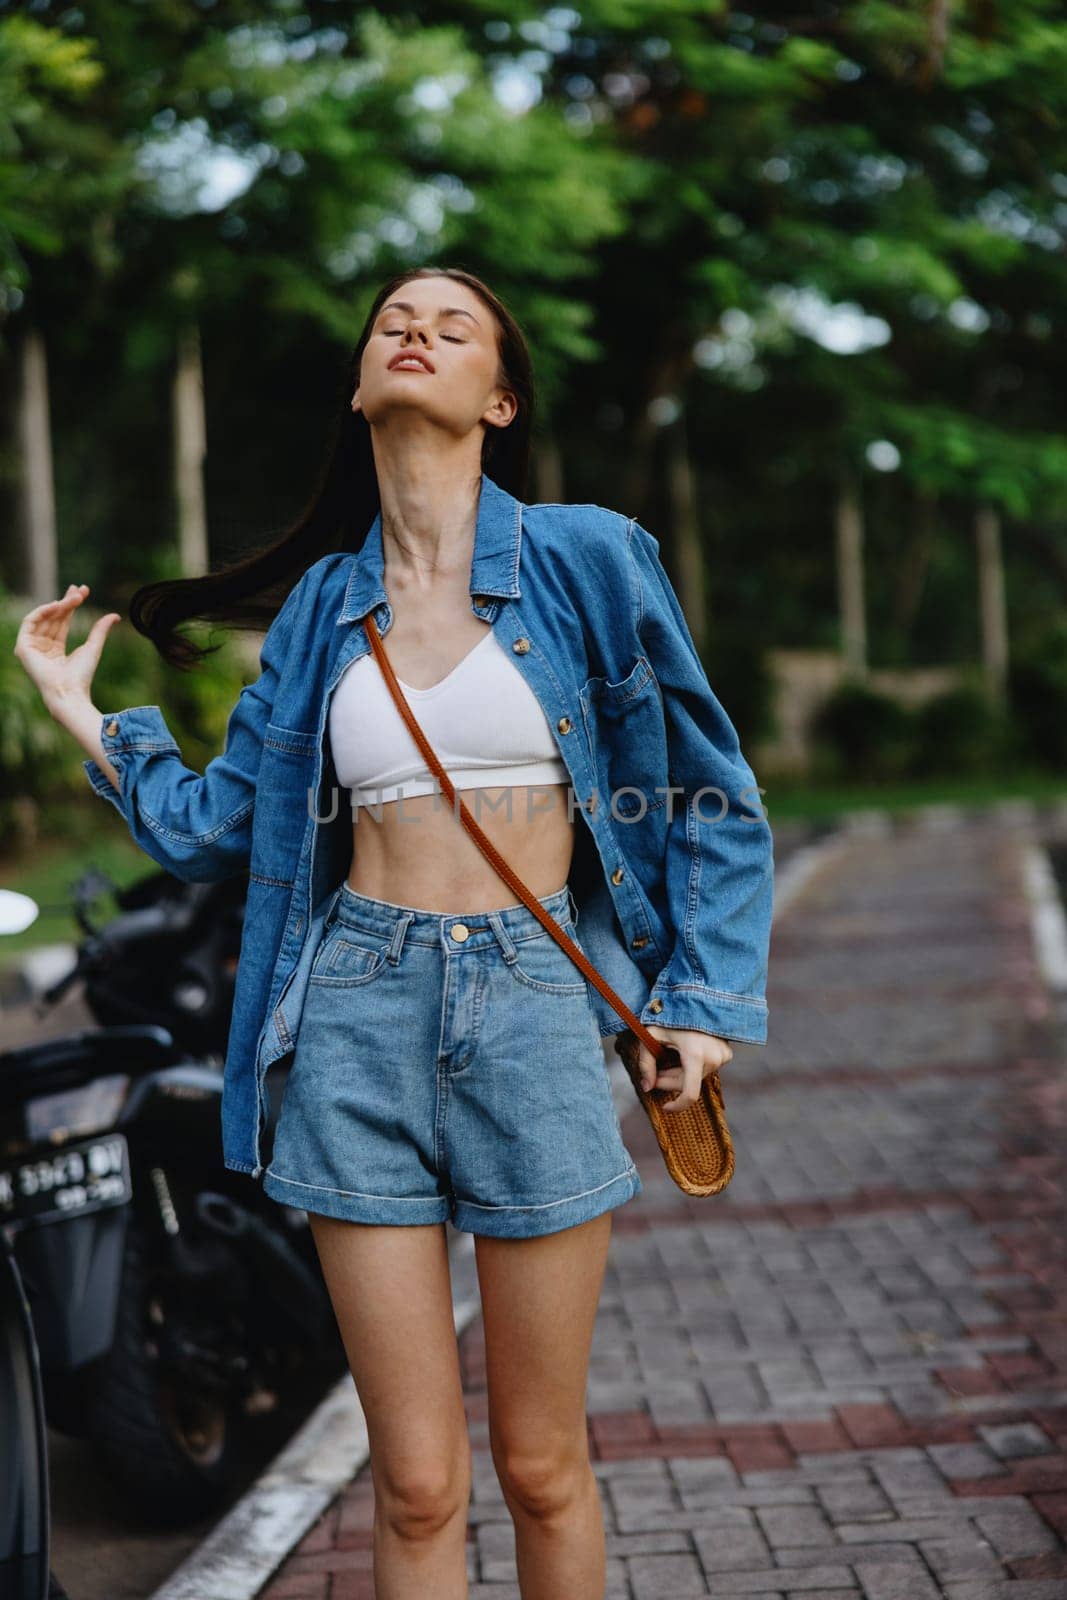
501	1222
528	1222
349	1206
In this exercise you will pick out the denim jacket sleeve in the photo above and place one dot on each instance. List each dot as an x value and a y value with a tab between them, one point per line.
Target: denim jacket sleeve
719	860
197	826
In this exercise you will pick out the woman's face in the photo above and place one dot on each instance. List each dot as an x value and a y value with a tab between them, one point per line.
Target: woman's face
432	353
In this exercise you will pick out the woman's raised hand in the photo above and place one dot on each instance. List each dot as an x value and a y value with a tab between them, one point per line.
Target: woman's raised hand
41	647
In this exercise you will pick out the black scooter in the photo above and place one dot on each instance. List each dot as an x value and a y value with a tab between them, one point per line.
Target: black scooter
172	1303
25	1521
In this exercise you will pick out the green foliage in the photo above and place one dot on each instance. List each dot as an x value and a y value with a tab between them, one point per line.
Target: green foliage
1037	687
40	761
739	671
865	735
54	174
959	733
685	206
861	733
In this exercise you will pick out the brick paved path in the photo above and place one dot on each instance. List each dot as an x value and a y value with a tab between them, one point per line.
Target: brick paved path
847	1375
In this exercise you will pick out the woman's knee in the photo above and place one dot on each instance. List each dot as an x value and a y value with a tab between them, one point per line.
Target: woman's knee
417	1500
543	1482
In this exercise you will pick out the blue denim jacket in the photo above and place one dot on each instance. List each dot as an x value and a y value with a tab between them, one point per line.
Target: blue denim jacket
672	886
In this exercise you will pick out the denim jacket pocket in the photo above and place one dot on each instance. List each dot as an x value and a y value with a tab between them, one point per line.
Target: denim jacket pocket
627	733
282	807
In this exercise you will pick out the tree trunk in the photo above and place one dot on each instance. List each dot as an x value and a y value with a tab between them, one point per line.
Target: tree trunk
915	561
190	435
992	602
39	565
667	378
548	472
850	577
685	530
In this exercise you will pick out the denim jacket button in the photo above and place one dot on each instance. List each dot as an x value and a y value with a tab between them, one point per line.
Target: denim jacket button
618	875
655	1005
521	646
112	728
479	599
638	943
564	724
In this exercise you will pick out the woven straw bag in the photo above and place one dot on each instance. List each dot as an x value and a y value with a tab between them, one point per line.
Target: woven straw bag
696	1143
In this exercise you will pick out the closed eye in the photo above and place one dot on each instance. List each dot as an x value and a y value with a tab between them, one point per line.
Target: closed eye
394	333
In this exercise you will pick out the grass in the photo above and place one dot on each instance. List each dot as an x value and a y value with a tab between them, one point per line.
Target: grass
79	837
805	802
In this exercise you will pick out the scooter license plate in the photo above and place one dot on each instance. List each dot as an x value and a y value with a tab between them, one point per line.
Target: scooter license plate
67	1182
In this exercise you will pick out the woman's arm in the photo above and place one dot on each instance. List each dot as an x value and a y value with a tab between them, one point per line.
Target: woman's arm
720	861
197	826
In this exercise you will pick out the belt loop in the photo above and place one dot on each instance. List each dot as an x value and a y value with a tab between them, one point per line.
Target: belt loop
396	943
572	902
503	938
331	910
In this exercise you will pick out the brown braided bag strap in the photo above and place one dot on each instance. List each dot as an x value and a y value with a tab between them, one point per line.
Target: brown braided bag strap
696	1142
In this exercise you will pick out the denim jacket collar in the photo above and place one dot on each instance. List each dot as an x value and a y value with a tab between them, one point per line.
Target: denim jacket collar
494	565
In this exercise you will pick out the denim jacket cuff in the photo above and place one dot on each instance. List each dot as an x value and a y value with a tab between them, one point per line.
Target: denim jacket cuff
136	728
693	1005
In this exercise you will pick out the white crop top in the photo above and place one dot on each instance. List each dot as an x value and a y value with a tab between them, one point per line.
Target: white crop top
483	720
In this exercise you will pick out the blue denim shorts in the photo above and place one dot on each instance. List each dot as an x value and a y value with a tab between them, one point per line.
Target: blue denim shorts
449	1067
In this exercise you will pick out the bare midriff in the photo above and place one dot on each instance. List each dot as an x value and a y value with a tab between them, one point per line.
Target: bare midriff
416	851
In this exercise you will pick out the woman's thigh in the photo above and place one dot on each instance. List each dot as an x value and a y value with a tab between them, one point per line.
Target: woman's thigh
392	1295
539	1302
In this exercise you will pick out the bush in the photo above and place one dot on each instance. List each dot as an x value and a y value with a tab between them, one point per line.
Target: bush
959	732
1037	694
860	733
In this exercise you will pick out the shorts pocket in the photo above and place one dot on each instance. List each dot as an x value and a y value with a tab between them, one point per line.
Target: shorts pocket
348	956
541	964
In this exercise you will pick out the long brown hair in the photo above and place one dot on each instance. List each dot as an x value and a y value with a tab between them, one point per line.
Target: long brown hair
249	593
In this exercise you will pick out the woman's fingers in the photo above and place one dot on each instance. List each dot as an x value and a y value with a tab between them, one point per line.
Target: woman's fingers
50	620
646	1065
55	623
93	643
687	1078
41	645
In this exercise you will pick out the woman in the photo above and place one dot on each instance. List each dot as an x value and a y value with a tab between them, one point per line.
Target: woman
443	1052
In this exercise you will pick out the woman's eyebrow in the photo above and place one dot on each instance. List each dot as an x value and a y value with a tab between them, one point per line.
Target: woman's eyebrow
445	311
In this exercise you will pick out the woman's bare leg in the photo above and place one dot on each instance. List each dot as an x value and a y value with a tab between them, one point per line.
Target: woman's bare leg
539	1300
392	1296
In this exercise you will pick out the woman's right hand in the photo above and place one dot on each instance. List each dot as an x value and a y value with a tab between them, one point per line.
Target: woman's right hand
41	647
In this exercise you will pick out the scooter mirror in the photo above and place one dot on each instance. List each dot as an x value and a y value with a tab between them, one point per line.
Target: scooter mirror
17	911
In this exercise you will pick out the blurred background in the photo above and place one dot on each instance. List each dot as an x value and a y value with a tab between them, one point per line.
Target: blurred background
794	281
793	277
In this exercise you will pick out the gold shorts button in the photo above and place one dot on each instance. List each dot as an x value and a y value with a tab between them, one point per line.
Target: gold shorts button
655	1005
564	724
112	727
617	875
459	931
521	646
